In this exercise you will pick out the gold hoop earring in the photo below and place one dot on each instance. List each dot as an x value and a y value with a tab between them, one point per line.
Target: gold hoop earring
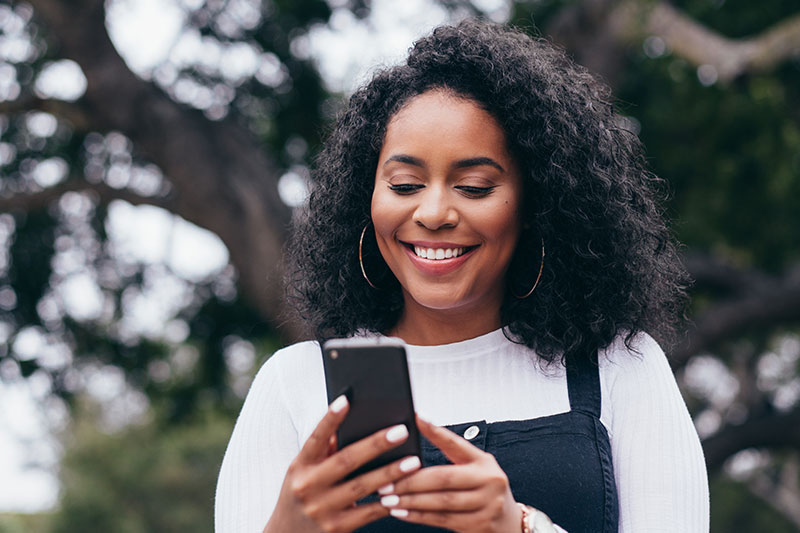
535	283
361	258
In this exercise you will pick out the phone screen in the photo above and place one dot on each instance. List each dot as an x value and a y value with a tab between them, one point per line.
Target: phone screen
373	374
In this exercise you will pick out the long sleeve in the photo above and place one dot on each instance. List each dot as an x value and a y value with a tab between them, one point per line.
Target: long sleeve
658	460
263	443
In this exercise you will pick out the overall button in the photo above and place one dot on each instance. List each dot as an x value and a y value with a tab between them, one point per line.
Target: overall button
471	432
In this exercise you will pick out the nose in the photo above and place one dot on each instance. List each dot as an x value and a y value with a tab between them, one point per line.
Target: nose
435	210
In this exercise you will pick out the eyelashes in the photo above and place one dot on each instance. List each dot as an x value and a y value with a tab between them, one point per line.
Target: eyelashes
475	192
467	190
405	188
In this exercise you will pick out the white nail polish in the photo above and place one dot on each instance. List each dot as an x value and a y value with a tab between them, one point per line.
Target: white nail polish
399	513
397	433
390	501
386	489
409	464
339	403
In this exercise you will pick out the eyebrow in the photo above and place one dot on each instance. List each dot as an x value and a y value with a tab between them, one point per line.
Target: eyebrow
478	161
407	159
463	163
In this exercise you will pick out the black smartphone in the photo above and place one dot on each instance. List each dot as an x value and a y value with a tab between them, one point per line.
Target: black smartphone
373	374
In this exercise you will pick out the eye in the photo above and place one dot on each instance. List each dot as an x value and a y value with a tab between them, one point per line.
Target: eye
405	188
475	192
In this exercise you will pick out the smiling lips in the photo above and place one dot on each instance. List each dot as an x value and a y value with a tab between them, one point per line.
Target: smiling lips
437	258
438	253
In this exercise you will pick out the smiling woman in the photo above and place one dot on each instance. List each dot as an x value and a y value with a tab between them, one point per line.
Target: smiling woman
480	203
446	216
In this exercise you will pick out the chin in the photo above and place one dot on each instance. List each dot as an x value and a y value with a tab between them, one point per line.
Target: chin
443	300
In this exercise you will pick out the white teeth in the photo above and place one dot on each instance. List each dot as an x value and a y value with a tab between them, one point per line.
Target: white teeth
437	253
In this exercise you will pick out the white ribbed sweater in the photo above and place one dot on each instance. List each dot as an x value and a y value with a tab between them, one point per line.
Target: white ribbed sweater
658	461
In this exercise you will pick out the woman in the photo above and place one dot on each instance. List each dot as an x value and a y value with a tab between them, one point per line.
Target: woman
482	203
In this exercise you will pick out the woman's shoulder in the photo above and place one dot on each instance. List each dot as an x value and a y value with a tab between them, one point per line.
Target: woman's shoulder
298	351
637	384
289	364
636	356
626	347
636	369
292	358
293	378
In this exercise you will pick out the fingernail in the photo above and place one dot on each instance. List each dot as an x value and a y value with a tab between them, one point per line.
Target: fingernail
410	463
339	404
399	513
390	500
386	489
397	433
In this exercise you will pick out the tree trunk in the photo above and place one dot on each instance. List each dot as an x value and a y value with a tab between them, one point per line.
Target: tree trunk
221	178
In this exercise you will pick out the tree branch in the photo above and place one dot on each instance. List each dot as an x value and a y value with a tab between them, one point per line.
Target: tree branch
775	430
781	494
595	31
37	200
222	177
759	304
700	45
709	272
70	111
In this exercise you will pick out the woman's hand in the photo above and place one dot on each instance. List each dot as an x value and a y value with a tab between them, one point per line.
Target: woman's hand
314	498
471	495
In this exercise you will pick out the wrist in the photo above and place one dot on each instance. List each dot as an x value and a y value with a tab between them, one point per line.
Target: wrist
535	521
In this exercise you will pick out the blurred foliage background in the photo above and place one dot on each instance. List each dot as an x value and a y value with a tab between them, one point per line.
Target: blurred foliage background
712	87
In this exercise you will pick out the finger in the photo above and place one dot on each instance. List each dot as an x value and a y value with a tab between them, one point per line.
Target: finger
455	447
333	445
456	521
446	501
316	446
382	479
440	478
351	457
355	517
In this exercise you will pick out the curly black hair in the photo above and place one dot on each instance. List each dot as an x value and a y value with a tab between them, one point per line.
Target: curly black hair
611	266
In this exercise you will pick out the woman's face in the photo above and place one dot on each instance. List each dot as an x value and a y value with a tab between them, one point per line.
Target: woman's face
446	204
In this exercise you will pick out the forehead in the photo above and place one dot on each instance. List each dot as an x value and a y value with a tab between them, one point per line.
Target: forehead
444	118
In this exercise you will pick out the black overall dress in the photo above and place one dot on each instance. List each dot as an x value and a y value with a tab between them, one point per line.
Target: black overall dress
560	464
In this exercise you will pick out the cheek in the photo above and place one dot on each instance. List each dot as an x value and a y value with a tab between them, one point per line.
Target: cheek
508	240
503	225
385	216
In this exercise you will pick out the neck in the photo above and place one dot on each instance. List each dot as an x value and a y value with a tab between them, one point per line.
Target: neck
431	327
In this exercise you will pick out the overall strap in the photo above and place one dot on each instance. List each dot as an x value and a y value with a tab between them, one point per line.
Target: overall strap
583	383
